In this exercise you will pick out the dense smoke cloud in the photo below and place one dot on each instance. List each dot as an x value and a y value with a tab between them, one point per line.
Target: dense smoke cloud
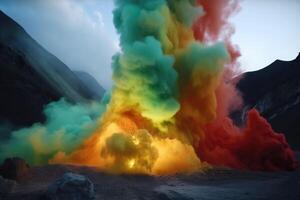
169	106
67	126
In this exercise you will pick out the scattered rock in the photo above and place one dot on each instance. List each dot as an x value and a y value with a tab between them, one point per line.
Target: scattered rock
6	186
14	168
71	187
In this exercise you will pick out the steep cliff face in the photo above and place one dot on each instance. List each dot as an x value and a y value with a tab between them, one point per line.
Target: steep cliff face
31	77
275	92
24	91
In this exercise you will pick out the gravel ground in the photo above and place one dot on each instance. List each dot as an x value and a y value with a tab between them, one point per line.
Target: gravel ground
216	184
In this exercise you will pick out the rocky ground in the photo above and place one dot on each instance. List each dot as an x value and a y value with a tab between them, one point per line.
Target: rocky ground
215	184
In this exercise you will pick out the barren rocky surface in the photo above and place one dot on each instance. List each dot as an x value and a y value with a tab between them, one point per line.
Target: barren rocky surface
218	183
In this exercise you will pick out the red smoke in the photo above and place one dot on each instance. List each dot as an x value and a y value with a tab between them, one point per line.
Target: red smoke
255	147
214	25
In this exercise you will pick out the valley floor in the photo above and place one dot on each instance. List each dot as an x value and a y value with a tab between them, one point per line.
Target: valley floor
216	184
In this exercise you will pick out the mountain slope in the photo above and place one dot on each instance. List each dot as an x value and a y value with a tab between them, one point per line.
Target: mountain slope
275	92
31	77
96	89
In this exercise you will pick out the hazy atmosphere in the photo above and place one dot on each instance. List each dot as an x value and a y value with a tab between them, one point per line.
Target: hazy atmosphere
82	35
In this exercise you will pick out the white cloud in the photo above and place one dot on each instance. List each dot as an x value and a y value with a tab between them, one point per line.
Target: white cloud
99	18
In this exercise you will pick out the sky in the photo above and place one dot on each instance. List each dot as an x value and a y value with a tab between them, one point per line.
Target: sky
82	35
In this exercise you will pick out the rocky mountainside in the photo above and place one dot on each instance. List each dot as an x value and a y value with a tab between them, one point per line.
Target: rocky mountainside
96	89
275	92
31	77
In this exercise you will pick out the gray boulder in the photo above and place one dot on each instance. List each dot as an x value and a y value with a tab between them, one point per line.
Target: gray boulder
71	186
6	186
14	169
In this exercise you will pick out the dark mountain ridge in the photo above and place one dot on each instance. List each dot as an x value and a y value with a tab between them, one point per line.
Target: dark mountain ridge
31	77
275	92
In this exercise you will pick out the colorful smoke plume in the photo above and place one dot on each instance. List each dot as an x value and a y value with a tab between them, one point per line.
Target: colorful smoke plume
168	109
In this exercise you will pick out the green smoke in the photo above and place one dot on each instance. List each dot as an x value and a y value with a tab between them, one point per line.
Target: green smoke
66	127
143	74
